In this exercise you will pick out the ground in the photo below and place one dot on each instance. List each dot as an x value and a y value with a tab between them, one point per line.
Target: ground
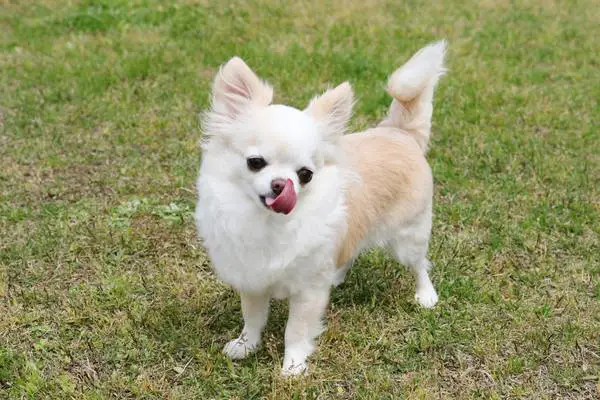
105	291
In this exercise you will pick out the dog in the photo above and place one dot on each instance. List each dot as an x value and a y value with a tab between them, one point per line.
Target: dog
287	200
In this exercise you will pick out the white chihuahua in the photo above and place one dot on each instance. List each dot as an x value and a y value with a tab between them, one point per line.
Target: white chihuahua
286	201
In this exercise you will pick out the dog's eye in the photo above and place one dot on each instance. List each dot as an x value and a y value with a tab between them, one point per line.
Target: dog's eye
305	175
256	163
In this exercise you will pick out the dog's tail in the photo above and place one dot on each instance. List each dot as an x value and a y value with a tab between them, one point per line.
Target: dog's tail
412	87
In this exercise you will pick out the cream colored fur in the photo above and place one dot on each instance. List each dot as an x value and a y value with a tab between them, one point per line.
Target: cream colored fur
368	189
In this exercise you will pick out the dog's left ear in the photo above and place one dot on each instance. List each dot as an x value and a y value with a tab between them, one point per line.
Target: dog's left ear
333	109
236	87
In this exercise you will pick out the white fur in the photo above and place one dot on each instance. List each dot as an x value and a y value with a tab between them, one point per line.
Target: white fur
412	87
263	254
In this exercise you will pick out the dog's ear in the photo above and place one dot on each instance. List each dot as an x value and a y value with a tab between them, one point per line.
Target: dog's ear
236	87
333	109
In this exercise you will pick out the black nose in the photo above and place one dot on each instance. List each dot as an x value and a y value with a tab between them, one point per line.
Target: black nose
277	186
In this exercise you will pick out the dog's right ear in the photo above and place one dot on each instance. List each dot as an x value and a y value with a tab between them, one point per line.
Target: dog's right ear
236	87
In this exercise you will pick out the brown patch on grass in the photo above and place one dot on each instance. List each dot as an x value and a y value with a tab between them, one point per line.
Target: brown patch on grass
32	184
84	371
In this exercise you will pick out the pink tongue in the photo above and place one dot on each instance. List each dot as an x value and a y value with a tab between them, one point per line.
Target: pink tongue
285	202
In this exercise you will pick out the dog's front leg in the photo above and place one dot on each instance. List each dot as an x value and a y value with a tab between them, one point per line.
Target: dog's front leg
304	325
255	308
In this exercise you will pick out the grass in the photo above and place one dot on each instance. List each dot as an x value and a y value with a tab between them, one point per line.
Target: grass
105	292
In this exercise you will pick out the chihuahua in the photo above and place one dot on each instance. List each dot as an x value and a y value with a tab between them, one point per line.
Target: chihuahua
287	200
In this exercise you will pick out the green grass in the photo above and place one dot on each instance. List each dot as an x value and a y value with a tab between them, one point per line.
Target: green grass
106	293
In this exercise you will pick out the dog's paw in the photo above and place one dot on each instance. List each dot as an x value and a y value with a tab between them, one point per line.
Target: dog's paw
426	297
294	369
239	348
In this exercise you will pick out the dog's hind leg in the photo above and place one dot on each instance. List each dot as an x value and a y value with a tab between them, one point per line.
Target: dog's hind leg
409	247
425	294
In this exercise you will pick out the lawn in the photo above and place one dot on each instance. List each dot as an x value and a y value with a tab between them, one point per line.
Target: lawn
105	291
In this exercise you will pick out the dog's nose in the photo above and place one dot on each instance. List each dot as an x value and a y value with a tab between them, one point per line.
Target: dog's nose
277	185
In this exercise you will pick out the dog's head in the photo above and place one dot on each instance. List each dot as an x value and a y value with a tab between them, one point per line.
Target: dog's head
274	152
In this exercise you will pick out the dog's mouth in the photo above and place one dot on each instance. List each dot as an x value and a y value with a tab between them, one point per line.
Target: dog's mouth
282	203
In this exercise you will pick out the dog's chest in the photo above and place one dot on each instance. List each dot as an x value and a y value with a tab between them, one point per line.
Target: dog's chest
255	252
252	257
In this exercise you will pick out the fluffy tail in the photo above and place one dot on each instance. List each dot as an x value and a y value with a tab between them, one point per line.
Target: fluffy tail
412	87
